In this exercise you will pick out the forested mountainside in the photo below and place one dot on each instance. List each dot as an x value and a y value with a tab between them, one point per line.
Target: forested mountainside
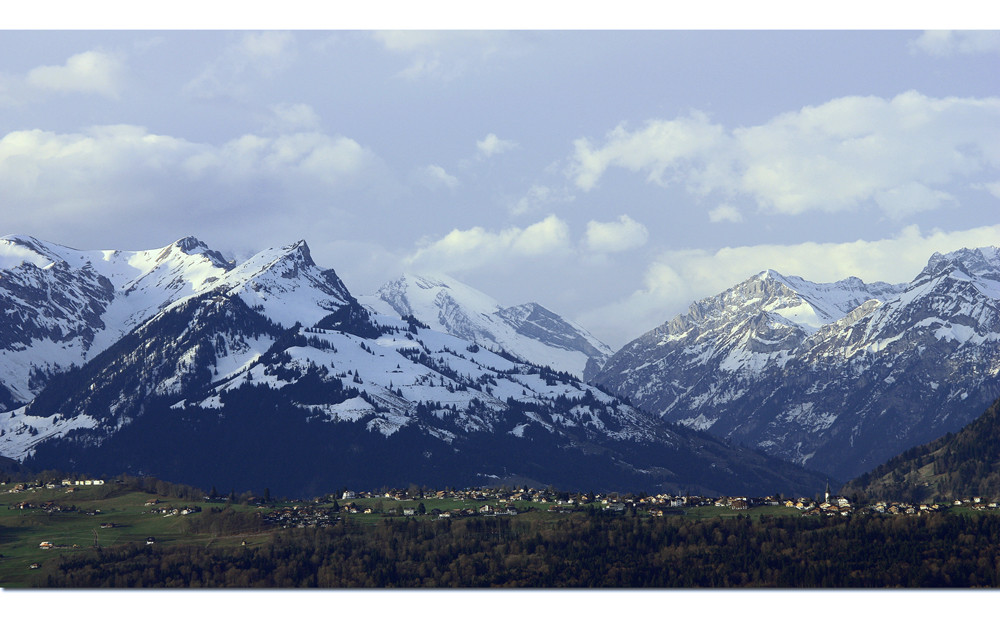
955	466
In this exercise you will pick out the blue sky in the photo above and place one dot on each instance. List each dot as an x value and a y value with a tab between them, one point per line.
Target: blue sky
613	176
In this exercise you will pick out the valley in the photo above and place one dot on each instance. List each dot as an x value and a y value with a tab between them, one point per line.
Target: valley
134	532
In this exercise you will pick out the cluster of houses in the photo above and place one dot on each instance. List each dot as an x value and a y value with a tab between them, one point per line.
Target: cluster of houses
504	501
468	494
532	495
655	505
69	484
899	507
841	506
169	510
301	516
483	510
831	506
977	503
49	507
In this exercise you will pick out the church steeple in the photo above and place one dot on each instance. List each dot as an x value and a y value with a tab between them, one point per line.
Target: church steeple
826	497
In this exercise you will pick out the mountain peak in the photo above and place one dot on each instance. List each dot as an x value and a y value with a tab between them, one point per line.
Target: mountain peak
18	248
20	239
528	330
834	375
428	281
190	244
432	289
976	261
300	250
770	277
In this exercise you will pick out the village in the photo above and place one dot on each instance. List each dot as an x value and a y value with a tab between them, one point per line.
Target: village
492	502
130	520
488	502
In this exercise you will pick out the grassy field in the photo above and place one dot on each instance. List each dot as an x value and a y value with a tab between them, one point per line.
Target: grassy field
22	530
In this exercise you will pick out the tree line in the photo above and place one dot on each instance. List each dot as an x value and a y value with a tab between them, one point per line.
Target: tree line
594	549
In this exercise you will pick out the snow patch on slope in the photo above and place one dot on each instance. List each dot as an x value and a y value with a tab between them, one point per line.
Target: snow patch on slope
527	331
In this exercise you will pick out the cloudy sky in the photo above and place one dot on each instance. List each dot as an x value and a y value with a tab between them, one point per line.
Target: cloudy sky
613	176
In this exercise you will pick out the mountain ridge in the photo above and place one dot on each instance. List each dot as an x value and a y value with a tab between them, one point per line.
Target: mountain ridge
271	371
910	362
529	330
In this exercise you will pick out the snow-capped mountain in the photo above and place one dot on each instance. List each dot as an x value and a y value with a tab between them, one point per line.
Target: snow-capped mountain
838	376
176	363
64	306
528	331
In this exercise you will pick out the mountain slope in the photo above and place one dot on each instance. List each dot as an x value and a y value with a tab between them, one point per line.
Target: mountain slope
962	465
65	306
223	385
528	331
839	376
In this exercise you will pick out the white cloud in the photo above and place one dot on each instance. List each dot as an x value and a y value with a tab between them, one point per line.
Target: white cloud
273	49
492	145
448	54
465	250
677	278
848	153
894	260
252	56
912	197
952	42
125	176
317	157
92	72
725	212
434	176
288	117
549	235
615	236
537	197
659	146
89	72
410	40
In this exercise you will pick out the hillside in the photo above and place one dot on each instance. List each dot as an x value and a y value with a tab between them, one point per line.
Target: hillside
957	465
